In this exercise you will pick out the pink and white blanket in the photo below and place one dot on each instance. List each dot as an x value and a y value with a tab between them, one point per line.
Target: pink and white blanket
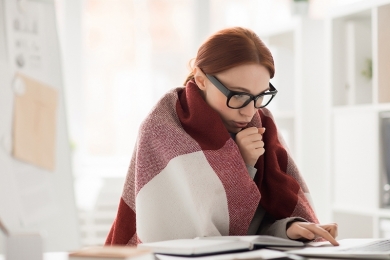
187	177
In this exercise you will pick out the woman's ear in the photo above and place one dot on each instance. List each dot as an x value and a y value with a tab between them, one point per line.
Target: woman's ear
200	78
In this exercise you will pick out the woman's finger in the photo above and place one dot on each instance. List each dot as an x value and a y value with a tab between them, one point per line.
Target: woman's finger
319	231
331	228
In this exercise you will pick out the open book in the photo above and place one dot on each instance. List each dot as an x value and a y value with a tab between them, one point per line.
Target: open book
262	254
260	241
215	245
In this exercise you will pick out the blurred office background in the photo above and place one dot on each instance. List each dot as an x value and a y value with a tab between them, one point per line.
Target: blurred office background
119	58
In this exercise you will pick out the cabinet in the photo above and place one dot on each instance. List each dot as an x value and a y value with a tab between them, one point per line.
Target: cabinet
358	65
300	107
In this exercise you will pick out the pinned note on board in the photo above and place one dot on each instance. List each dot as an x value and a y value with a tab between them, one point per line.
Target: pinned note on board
34	123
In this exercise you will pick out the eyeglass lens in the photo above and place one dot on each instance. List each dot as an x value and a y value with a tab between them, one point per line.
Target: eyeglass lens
237	101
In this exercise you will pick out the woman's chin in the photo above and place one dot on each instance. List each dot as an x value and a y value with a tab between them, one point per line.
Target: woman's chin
233	130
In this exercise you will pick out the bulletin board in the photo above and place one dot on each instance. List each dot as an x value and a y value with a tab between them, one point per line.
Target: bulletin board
36	181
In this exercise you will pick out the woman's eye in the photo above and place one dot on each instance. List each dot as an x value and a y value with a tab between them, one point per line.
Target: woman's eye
240	96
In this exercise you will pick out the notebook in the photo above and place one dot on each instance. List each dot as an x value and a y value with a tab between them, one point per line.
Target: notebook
216	245
348	248
187	247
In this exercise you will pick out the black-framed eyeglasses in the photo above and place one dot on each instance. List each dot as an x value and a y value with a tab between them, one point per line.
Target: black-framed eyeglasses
238	100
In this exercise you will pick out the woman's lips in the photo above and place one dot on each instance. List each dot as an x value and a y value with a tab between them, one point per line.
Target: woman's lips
240	124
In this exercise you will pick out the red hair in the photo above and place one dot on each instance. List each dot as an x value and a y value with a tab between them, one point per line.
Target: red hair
232	47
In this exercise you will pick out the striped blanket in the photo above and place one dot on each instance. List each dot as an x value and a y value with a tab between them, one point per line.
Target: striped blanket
187	177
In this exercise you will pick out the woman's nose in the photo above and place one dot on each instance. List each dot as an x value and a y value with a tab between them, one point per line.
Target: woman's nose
249	110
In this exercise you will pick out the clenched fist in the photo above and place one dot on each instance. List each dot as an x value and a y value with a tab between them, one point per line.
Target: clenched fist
250	143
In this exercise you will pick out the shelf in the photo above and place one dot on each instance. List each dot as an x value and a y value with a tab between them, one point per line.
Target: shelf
355	108
380	213
352	59
359	84
384	213
360	55
365	107
383	107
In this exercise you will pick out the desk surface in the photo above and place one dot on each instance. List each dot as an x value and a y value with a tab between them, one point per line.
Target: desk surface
55	256
64	256
50	256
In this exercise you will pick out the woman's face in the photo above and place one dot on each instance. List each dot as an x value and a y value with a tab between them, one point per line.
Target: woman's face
249	78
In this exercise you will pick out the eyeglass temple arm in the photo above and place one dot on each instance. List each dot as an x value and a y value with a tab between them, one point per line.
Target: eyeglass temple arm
218	84
273	88
226	91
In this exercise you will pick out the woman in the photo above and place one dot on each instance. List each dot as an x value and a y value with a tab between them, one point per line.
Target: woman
209	160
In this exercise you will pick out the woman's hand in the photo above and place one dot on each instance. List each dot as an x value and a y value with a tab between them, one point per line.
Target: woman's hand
250	143
310	231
